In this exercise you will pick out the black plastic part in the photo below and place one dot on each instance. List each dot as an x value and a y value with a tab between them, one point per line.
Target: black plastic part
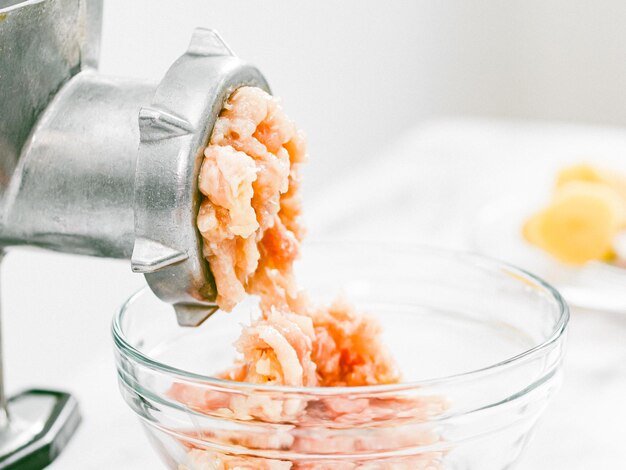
51	440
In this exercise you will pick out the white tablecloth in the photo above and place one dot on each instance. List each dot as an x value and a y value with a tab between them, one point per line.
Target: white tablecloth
425	189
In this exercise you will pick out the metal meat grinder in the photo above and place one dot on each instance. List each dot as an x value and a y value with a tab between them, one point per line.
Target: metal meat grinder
101	166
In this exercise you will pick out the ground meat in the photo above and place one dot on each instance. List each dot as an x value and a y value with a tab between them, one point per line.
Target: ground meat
348	349
202	460
250	222
250	215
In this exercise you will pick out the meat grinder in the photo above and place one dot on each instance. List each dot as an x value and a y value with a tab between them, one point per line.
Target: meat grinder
101	166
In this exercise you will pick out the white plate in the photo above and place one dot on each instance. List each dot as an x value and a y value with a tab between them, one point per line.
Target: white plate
498	233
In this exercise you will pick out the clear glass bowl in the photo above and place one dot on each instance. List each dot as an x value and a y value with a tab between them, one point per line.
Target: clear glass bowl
480	345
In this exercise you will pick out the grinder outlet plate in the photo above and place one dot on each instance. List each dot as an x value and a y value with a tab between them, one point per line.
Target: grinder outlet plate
41	422
174	130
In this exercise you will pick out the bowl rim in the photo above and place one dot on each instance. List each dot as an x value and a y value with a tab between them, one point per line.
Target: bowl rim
482	261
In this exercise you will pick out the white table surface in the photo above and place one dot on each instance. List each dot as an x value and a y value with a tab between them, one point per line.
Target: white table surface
425	189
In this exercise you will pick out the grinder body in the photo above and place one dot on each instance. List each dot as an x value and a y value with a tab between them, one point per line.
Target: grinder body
73	188
107	166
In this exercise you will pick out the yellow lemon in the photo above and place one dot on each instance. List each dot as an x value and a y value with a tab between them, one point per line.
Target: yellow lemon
580	222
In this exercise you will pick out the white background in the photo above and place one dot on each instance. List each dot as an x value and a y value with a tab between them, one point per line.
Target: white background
359	76
357	73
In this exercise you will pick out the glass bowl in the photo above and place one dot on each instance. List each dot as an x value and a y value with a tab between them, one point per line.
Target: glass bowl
480	345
